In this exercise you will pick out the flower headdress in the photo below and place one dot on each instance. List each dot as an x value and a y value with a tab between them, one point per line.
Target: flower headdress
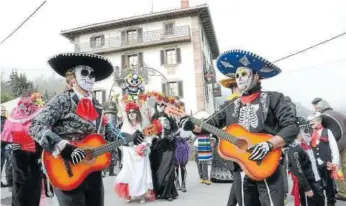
30	104
131	106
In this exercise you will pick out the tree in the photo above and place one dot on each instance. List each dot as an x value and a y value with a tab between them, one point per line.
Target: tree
20	85
6	97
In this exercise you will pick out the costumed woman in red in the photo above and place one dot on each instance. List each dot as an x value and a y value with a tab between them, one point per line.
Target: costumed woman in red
27	173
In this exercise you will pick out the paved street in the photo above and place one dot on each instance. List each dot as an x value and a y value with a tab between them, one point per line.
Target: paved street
198	194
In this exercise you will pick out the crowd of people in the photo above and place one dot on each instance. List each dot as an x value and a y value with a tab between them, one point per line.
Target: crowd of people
155	146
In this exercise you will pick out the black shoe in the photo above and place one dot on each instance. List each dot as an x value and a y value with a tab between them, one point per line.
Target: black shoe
112	174
3	185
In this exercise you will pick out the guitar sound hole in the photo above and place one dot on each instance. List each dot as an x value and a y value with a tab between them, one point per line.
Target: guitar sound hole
88	155
242	144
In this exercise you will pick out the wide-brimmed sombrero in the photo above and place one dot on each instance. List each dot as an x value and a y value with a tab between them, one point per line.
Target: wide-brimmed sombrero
228	63
63	62
228	83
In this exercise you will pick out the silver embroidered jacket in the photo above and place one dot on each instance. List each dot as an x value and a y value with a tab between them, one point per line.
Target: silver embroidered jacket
58	121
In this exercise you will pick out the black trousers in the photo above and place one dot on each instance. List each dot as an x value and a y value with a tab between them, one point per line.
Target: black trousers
89	193
317	199
235	196
269	192
27	179
329	184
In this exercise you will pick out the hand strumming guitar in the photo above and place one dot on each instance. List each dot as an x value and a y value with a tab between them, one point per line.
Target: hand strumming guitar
73	154
260	150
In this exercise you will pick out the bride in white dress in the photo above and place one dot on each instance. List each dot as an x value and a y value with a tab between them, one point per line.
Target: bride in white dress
135	178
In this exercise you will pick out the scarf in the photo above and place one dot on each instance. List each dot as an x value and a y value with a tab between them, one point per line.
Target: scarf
315	136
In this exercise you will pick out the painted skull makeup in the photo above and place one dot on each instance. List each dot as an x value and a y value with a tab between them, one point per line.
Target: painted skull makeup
132	114
245	79
85	77
160	107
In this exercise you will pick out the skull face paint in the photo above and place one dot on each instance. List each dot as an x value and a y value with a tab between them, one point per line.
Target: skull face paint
245	79
160	107
132	114
85	77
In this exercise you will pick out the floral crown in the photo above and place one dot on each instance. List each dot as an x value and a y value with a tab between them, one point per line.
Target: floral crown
31	103
131	106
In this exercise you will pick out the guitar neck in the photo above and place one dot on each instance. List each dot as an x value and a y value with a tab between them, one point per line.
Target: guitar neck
213	130
107	147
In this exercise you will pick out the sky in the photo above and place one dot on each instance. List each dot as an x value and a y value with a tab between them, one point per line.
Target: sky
270	28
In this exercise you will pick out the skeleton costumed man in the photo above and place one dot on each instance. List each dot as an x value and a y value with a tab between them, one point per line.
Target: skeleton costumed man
259	112
26	170
71	116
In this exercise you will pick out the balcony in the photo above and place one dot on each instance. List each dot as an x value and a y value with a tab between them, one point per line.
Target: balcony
146	39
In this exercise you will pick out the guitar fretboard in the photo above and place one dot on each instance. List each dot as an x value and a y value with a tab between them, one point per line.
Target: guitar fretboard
216	131
107	147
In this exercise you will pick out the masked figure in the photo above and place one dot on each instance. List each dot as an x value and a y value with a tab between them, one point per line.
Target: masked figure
135	177
134	86
163	157
71	116
27	173
258	112
326	152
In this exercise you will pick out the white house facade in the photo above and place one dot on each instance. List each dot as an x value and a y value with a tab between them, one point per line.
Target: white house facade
180	44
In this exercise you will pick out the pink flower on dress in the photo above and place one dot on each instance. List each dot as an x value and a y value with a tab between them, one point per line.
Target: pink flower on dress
143	150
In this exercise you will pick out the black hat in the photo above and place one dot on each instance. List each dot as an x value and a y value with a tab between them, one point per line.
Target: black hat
62	63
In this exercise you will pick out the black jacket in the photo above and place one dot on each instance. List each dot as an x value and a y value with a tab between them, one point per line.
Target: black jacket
300	165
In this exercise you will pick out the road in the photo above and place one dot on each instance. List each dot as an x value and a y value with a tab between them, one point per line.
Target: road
197	194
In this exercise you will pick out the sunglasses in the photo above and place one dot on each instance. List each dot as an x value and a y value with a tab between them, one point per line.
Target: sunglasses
86	73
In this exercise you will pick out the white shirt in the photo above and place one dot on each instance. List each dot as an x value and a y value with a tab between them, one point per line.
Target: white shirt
333	147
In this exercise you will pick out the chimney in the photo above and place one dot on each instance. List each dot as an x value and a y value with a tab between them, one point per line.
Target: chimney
184	4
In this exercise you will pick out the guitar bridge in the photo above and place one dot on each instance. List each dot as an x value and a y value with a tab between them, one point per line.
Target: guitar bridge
68	168
259	162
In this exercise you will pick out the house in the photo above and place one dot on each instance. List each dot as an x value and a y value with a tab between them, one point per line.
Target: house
173	50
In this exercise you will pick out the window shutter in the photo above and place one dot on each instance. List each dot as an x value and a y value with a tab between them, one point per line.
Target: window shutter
123	38
164	88
178	53
180	89
162	57
140	59
103	96
140	34
92	42
102	40
123	61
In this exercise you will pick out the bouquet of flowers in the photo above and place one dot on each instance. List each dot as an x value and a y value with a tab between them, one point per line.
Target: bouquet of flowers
143	150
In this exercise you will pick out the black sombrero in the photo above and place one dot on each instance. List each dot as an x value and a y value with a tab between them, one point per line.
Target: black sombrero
63	62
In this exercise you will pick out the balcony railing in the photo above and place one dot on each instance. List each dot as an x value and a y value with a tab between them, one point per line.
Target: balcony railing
181	33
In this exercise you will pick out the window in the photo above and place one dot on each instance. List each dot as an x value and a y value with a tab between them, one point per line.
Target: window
175	88
132	36
170	56
169	28
132	59
127	60
97	41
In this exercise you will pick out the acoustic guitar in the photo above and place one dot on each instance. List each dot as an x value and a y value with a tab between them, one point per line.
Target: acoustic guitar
234	143
66	176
